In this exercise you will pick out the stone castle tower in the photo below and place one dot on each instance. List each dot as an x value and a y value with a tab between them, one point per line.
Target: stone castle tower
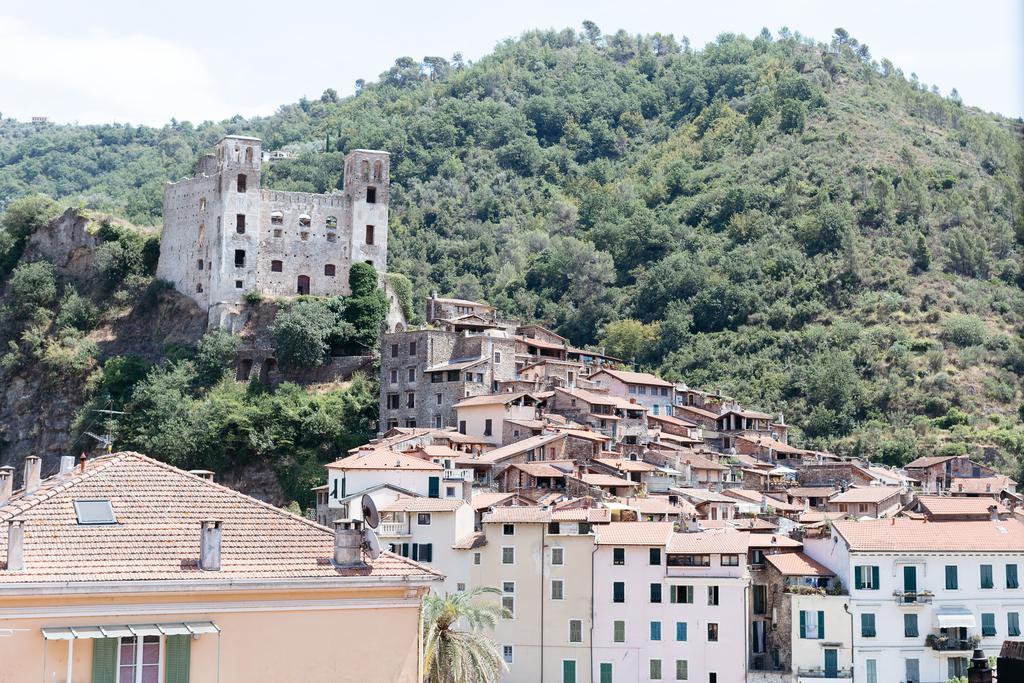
224	235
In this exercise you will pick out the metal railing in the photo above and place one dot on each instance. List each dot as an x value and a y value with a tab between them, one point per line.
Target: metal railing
913	597
821	672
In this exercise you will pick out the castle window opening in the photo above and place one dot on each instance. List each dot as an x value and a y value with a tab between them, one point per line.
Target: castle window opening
240	223
241	182
371	195
304	236
199	286
238	284
364	168
277	218
199	264
331	237
202	203
239	258
303	286
378	168
369	262
276	266
305	220
331	223
277	232
202	233
248	155
329	270
369	234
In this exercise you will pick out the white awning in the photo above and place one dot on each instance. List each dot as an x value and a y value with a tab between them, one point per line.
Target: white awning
956	619
128	630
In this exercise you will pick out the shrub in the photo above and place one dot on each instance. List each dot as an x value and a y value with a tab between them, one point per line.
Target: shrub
26	215
402	287
963	330
301	333
253	297
793	116
32	286
76	312
215	355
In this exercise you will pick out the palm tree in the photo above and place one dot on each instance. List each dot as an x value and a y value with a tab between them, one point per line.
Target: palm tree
456	655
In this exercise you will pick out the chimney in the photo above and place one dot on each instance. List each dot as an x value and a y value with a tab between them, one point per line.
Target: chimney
33	465
980	672
6	484
81	462
209	544
15	545
202	474
993	513
348	543
67	465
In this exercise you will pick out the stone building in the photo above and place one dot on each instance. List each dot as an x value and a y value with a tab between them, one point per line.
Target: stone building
224	235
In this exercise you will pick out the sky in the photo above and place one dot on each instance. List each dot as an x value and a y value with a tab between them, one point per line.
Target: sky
144	62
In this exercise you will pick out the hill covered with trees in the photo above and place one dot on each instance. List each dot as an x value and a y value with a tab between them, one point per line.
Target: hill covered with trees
796	223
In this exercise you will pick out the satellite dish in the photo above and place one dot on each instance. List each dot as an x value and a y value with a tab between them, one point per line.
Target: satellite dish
370	515
371	543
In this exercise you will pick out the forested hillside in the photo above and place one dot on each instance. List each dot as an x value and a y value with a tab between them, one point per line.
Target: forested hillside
806	228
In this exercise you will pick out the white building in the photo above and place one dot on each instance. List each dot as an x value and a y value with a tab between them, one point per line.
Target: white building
366	471
920	592
426	529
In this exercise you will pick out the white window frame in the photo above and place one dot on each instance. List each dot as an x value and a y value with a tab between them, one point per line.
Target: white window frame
508	547
512	610
508	653
569	637
505	529
561	589
505	590
561	556
138	657
419	519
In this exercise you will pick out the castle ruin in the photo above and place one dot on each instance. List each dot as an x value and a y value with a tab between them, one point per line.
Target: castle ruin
225	236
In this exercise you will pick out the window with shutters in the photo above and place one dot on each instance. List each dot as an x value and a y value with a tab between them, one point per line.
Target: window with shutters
712	595
177	655
682	670
655	556
655	630
619	631
760	593
575	631
508	555
910	626
1011	576
681	594
423	518
871	667
487	427
568	671
681	631
866	577
988	624
557	556
1013	624
655	670
867	625
986	576
812	624
655	592
618	556
138	660
606	672
951	577
557	589
618	591
913	667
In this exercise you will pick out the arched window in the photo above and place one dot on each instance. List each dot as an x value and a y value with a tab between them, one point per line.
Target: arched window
277	218
331	223
202	234
248	155
241	182
276	266
305	220
329	270
364	168
378	169
202	203
303	286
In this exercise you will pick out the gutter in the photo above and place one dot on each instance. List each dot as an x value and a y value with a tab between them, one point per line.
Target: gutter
853	667
543	543
592	555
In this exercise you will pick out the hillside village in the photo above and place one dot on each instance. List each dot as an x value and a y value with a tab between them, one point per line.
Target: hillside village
622	527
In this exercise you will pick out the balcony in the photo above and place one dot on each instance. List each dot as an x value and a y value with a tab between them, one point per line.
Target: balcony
913	597
945	644
394	529
461	474
819	672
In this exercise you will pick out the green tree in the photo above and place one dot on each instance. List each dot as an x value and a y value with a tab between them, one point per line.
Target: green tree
452	654
26	215
921	254
215	355
630	340
302	331
793	116
32	286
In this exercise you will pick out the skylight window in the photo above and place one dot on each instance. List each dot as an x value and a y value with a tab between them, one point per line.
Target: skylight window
95	512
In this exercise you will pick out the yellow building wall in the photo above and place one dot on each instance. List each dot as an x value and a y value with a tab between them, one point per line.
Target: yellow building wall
339	640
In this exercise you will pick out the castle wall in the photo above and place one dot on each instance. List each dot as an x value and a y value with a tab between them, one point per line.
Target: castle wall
188	232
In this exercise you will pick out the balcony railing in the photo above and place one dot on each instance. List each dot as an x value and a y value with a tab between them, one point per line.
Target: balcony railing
394	529
944	644
819	672
463	474
913	597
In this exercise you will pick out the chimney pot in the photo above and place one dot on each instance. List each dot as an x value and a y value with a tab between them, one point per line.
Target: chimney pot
348	543
81	462
33	466
993	513
6	483
15	545
209	544
67	465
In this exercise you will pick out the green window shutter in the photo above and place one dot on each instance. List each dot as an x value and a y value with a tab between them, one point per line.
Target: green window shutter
104	660
858	580
569	671
803	624
177	653
874	578
821	625
1011	576
951	577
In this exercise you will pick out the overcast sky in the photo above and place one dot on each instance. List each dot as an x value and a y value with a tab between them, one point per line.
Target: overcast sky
146	62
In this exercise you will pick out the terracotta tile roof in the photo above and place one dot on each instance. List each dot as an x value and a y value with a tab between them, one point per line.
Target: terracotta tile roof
658	505
757	498
911	535
627	465
981	484
474	540
436	451
797	564
592	515
698	411
635	377
423	504
755	524
606	480
956	506
513	449
540	343
383	460
455	364
156	538
710	542
482	501
492	399
699	462
672	420
597	398
460	302
816	516
773	541
811	491
634	533
768	442
543	469
866	494
702	495
928	461
586	434
517	514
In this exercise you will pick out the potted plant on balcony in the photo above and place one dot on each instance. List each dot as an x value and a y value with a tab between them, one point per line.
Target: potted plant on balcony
931	640
974	640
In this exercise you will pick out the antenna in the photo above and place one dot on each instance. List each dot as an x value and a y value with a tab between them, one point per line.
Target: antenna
370	515
371	543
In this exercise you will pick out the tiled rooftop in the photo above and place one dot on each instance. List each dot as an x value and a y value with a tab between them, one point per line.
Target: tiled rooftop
423	504
911	535
158	510
383	460
634	533
867	494
797	564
